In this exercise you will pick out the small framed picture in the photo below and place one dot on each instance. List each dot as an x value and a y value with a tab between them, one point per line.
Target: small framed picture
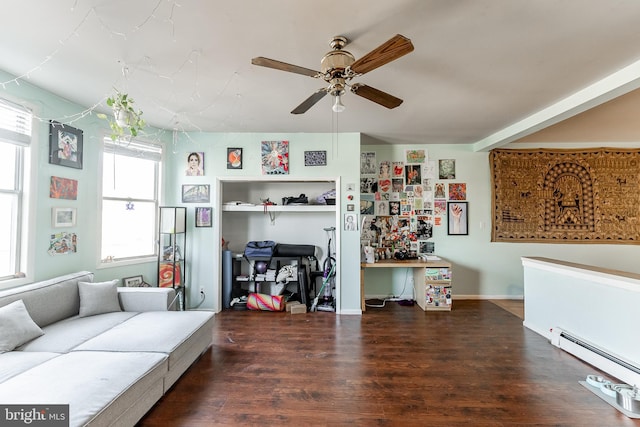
65	145
315	158
63	217
203	217
195	193
195	164
458	218
234	158
447	169
350	222
133	282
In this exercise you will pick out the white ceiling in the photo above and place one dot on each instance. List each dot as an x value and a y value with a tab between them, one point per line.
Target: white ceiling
483	71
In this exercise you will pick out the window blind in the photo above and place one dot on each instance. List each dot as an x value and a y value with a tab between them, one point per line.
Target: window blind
146	150
15	123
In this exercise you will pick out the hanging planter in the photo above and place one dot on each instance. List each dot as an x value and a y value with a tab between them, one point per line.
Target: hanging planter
126	121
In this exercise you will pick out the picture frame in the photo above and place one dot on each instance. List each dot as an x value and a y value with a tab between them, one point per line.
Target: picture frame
203	217
133	281
195	164
65	145
63	217
274	157
458	218
447	168
315	158
234	158
63	188
195	193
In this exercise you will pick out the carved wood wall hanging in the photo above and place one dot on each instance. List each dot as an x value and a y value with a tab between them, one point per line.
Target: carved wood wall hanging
566	196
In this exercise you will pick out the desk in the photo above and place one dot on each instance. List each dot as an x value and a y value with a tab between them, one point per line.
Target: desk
417	265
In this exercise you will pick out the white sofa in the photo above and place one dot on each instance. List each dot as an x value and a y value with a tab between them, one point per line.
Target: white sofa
108	352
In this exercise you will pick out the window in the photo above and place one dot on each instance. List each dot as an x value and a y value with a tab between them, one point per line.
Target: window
130	193
15	140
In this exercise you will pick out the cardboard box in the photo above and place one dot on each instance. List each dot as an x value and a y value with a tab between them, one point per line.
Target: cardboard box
298	309
291	304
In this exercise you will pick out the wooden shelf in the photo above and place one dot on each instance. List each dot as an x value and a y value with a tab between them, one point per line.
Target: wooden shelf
279	208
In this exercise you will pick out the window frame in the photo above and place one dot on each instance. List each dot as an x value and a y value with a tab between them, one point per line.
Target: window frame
158	170
25	188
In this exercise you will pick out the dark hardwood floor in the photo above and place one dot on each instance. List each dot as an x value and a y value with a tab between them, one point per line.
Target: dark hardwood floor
476	365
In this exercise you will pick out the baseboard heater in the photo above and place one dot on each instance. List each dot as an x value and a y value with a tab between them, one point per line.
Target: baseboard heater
616	366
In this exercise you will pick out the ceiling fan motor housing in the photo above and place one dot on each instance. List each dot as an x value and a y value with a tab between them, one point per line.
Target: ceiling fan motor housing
337	60
334	66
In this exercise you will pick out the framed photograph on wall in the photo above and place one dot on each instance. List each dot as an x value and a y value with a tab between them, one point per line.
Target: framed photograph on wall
203	217
315	158
65	145
63	217
195	193
195	164
234	158
457	218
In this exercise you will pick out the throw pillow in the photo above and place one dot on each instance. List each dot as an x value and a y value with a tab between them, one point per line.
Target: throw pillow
98	298
16	326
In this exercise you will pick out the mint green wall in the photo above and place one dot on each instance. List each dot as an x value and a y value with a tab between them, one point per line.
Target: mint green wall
342	154
481	268
485	269
47	106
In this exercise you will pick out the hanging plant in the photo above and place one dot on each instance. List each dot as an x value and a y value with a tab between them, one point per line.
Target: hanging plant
125	118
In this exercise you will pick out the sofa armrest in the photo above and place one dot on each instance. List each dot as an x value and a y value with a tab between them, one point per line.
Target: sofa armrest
147	299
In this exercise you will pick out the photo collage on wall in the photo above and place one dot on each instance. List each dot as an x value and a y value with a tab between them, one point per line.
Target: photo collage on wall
402	201
396	203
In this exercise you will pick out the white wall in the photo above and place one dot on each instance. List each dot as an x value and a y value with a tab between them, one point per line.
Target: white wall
485	269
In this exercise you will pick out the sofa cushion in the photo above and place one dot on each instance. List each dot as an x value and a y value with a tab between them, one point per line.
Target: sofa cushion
16	326
153	331
94	384
50	300
63	336
15	362
98	298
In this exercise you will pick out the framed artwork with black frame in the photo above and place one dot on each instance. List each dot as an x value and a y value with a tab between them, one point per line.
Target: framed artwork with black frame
203	217
234	158
457	218
315	158
65	145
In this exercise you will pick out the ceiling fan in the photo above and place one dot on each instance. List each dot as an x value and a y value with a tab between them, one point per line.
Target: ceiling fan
338	67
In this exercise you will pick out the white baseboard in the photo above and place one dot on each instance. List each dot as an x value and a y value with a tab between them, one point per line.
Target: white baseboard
487	297
458	297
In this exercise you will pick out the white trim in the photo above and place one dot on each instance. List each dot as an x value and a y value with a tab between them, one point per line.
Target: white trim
610	87
350	312
124	263
484	297
613	278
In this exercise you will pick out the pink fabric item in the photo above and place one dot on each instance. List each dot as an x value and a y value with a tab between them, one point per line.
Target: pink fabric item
265	302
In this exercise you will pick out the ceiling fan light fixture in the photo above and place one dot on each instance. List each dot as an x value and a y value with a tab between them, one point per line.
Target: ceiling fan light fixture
338	106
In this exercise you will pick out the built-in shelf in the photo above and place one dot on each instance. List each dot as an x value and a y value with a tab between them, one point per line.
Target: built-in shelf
279	208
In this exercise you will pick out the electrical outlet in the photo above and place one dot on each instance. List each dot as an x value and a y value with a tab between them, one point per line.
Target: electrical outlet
202	290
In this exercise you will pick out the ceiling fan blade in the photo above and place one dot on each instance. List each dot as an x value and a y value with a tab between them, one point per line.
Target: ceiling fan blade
279	65
376	95
310	101
390	50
